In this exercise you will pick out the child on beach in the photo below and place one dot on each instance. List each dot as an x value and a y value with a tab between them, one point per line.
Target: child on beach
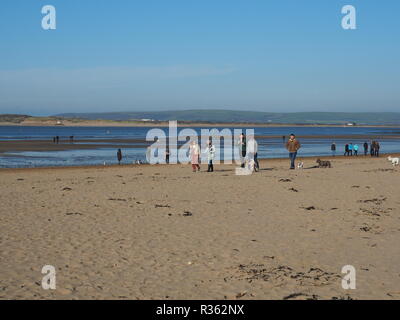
210	151
355	148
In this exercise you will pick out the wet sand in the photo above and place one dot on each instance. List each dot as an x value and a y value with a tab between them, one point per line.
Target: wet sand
163	232
80	144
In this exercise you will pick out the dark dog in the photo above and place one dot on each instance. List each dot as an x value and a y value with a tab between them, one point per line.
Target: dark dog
324	164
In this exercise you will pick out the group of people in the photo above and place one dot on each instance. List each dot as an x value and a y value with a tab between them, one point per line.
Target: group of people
351	149
248	150
56	139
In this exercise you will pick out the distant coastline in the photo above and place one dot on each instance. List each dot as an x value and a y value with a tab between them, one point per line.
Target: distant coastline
207	118
32	122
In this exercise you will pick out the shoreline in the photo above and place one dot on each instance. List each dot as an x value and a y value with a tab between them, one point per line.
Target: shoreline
95	123
147	165
93	144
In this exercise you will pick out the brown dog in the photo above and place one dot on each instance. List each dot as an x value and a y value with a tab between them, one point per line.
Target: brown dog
324	164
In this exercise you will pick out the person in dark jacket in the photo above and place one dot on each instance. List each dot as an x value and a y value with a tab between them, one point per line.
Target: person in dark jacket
292	145
346	150
242	148
119	156
366	148
333	149
372	149
377	148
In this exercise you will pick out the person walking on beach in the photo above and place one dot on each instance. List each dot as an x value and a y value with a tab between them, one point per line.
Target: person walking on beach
372	149
252	152
333	149
210	151
355	147
119	156
57	139
346	149
377	148
351	149
292	145
167	155
194	151
242	148
365	148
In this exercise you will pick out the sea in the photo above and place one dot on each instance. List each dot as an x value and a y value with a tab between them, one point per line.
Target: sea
317	143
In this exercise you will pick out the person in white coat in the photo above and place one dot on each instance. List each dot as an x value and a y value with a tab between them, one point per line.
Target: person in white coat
252	151
210	151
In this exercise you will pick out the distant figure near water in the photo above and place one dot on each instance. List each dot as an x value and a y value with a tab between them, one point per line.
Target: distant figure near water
375	147
355	148
366	146
346	150
119	156
350	149
333	149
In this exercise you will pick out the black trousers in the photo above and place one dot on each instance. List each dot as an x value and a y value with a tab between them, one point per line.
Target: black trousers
210	166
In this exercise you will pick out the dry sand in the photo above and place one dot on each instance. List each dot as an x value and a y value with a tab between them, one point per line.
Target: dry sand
163	232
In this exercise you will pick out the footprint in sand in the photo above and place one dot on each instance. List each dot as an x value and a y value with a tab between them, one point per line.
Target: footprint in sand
162	206
309	208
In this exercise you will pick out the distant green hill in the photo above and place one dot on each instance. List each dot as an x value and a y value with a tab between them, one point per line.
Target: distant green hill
364	118
13	118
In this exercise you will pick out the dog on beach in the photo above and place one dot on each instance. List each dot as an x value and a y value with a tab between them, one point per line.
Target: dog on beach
250	163
395	161
300	165
324	164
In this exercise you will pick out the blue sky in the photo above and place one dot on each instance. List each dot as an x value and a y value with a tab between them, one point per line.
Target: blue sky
127	55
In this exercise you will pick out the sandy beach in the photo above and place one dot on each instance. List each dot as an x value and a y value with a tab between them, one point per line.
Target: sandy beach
163	232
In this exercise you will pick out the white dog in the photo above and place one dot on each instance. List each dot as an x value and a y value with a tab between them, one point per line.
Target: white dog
300	165
395	161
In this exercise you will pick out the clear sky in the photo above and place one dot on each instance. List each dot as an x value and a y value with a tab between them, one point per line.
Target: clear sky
130	55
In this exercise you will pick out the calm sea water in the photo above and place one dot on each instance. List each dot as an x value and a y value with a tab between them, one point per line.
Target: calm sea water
106	152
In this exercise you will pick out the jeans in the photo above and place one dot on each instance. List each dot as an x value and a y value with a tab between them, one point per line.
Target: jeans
292	157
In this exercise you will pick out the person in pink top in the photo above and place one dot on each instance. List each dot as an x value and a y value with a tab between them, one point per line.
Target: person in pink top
194	150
